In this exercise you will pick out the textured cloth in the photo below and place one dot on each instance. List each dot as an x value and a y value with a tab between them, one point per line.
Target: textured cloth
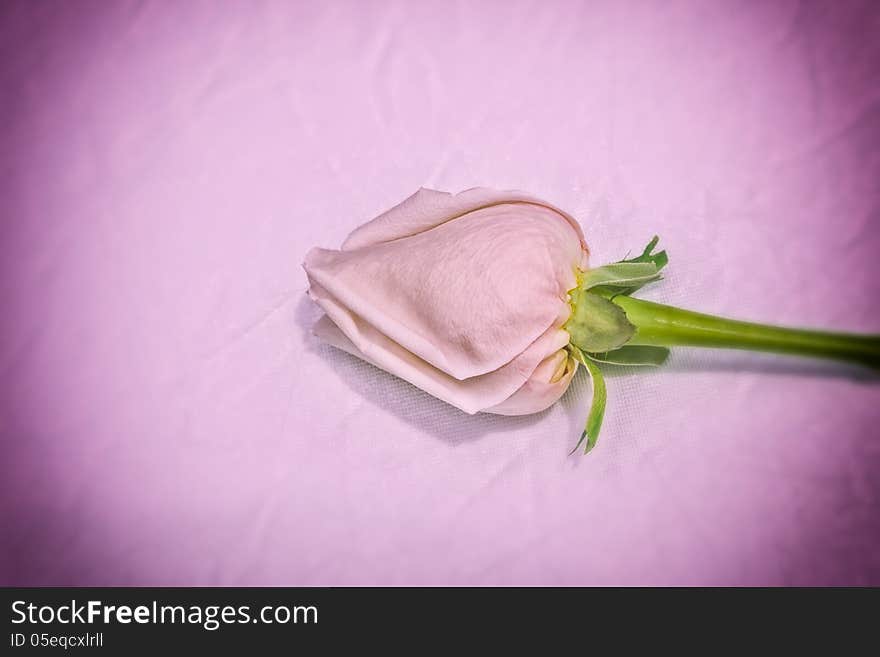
168	417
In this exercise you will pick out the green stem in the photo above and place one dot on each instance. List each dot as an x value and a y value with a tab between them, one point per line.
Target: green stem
666	326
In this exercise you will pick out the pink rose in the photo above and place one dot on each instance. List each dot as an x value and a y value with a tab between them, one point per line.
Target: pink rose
462	295
484	299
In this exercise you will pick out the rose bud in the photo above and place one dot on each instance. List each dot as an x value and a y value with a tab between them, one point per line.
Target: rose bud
484	299
462	295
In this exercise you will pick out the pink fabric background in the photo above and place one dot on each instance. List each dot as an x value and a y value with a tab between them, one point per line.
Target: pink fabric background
168	419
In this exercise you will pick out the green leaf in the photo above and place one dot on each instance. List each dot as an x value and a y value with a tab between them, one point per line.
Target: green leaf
633	355
596	324
647	258
659	259
620	275
597	406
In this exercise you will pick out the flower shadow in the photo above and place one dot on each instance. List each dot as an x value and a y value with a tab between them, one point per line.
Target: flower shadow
405	401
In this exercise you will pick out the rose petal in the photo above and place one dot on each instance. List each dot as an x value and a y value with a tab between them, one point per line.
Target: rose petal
467	296
428	208
542	389
471	396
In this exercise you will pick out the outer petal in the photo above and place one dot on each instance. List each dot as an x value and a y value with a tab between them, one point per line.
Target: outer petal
471	396
466	296
547	384
428	208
